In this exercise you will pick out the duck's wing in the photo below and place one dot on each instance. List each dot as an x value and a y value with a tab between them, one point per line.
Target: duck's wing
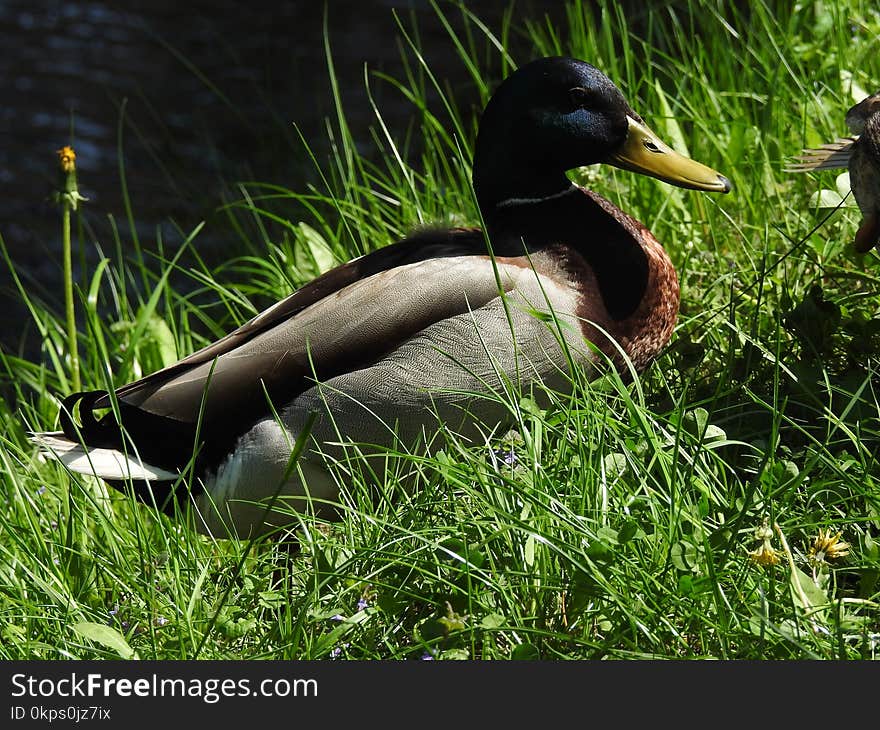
831	156
422	246
344	320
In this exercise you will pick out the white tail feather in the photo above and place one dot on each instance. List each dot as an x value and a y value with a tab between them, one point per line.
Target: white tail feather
103	463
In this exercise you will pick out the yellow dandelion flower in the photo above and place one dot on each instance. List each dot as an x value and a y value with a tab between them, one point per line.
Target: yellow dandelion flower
828	546
765	554
67	194
67	158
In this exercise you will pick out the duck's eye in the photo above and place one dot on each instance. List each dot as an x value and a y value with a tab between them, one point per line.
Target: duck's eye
651	145
581	98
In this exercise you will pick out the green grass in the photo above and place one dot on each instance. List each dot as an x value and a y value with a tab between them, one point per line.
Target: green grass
623	526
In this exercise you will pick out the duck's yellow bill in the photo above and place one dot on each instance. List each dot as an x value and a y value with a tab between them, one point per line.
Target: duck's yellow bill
644	152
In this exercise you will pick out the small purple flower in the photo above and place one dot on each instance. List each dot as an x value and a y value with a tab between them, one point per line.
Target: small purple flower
113	611
337	617
53	524
427	657
336	652
161	620
362	604
41	491
506	456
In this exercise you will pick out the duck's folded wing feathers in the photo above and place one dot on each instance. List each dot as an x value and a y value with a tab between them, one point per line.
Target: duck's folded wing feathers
425	245
831	156
345	322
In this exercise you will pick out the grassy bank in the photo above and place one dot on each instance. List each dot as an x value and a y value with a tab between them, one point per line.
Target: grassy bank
692	513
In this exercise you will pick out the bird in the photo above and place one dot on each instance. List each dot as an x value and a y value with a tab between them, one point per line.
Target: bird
418	334
860	153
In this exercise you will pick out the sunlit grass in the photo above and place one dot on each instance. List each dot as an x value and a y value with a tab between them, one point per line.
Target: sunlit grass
618	521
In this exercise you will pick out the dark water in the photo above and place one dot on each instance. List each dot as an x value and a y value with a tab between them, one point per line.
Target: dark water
211	90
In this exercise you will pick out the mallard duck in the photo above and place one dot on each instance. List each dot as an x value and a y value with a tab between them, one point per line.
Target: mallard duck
381	349
861	155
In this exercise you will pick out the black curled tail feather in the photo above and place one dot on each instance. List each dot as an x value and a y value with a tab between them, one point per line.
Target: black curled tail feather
161	442
103	433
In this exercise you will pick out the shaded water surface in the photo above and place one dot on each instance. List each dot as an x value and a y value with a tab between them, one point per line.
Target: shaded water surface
210	94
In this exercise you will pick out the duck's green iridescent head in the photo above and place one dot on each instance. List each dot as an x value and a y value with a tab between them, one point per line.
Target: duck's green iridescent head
557	113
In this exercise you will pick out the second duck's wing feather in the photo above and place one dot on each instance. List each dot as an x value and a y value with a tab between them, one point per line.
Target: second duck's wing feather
831	156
